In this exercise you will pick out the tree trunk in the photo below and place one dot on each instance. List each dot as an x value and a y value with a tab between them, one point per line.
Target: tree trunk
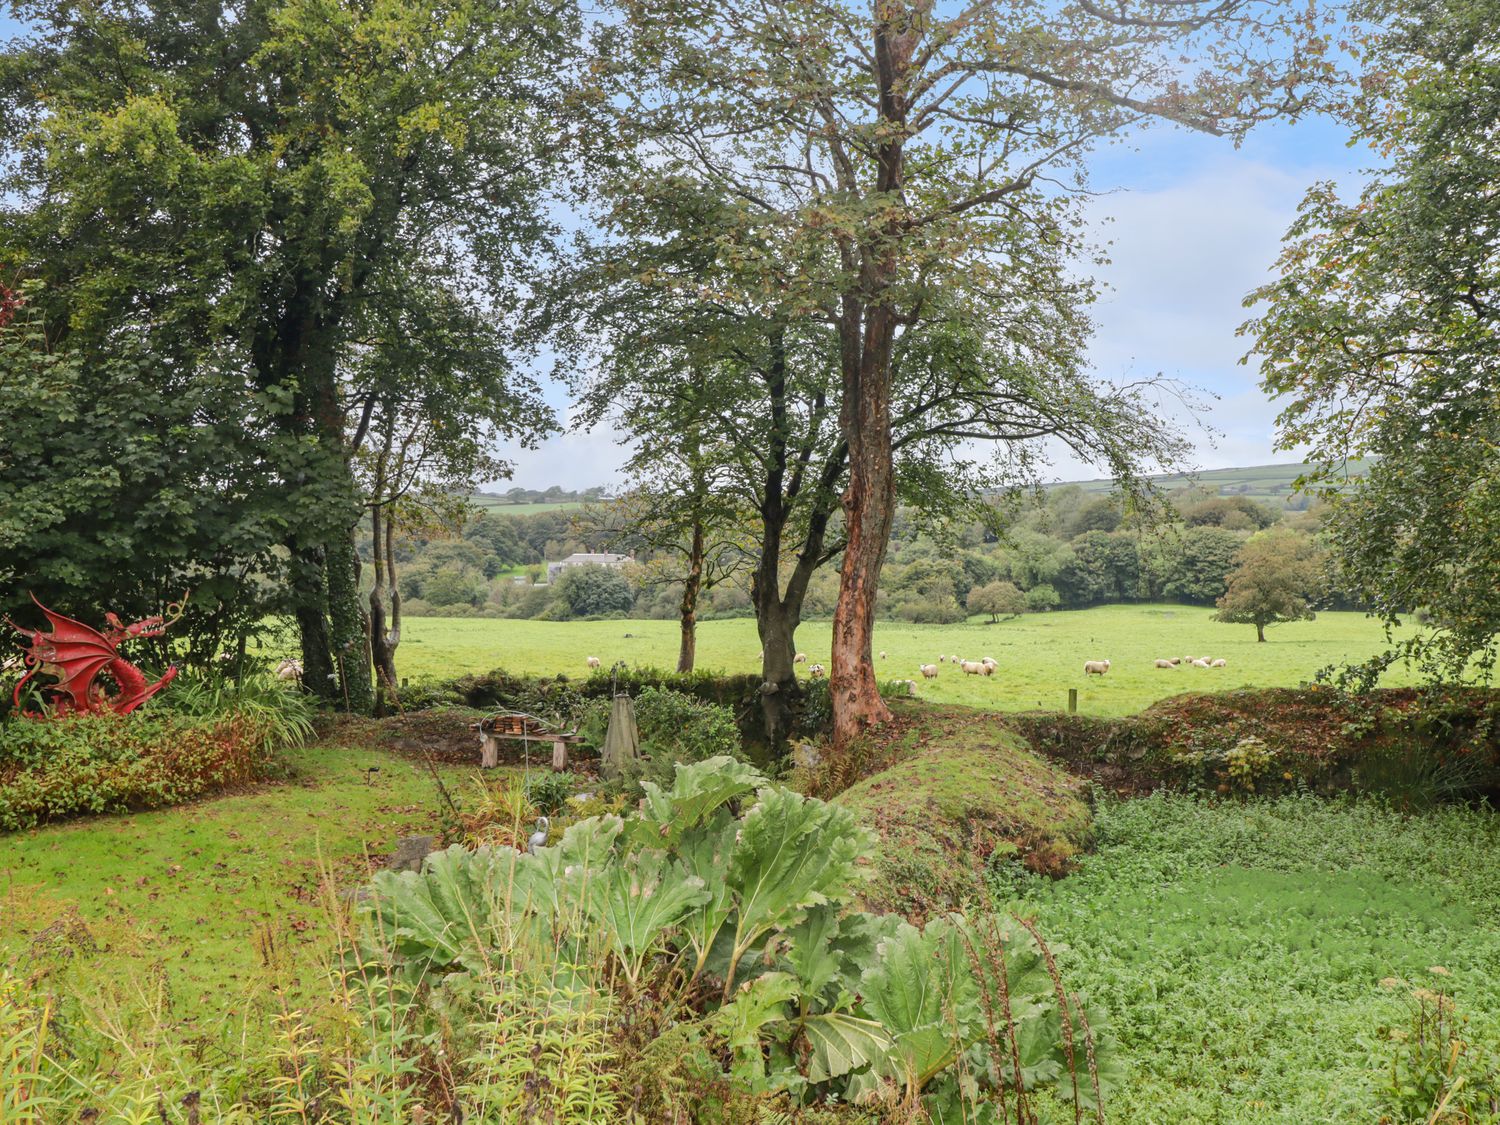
309	598
867	337
384	638
780	693
869	510
348	628
688	611
1260	632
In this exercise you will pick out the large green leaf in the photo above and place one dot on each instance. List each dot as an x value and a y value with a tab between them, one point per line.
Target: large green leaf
441	917
922	990
642	898
842	1043
792	853
698	789
705	852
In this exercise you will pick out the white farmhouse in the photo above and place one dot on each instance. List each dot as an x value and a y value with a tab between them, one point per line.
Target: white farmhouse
580	558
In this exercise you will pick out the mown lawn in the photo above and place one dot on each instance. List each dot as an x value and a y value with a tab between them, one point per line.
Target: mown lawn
1240	949
1041	656
218	899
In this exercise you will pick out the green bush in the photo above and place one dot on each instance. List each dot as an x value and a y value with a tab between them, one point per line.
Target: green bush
60	767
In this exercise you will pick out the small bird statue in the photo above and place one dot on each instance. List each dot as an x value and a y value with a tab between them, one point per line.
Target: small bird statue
539	837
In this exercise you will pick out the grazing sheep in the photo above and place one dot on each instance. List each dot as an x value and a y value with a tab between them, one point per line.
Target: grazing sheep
882	654
908	686
1165	663
817	671
1176	660
800	658
593	662
974	668
1206	659
990	660
1200	663
1187	659
942	659
929	671
1095	667
1219	663
289	670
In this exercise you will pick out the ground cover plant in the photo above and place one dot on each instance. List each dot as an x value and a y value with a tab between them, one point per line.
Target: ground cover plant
1259	959
1040	655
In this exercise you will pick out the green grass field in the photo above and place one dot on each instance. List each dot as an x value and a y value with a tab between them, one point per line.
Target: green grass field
1248	954
215	900
502	507
1040	656
1264	482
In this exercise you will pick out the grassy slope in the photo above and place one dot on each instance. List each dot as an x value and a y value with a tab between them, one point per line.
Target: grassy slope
199	889
1239	948
962	789
1040	656
1260	481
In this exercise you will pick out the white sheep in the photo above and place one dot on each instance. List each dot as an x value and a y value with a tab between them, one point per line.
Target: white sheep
1206	659
974	668
882	654
909	686
1200	663
942	659
1165	663
289	671
929	671
817	671
593	662
1095	667
1176	660
990	660
1219	663
800	658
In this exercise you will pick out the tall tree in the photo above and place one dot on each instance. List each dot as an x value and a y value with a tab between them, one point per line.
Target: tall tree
905	165
244	189
1275	579
1383	332
696	305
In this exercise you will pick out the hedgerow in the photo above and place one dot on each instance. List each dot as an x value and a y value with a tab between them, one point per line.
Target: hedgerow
51	768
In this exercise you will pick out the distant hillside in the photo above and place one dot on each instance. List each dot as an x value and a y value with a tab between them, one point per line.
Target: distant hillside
1263	482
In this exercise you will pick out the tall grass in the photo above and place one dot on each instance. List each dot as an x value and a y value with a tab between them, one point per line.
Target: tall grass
283	712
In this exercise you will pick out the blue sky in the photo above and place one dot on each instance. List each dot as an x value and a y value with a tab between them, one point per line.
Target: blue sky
1193	225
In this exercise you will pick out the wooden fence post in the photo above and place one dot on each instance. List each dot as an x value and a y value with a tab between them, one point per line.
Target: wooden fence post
1072	700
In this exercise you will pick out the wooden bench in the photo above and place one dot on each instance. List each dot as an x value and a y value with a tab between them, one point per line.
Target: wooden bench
517	727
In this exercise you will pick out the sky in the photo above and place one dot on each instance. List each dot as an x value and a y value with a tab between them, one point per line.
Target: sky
1193	224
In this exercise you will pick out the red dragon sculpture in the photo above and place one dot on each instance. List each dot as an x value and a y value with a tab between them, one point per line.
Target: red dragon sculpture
76	654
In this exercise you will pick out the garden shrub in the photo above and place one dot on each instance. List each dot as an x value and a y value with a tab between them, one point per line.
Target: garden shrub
715	919
78	764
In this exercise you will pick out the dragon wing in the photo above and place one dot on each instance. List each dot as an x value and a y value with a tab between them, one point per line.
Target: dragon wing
76	650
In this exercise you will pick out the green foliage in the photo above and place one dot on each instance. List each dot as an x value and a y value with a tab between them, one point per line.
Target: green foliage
681	895
997	599
1391	293
283	712
1275	578
1199	564
1240	948
55	768
593	591
548	793
115	485
1438	1072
